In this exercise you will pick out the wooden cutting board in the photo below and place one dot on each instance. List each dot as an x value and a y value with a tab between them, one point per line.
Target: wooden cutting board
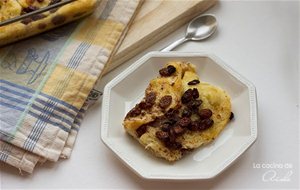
155	20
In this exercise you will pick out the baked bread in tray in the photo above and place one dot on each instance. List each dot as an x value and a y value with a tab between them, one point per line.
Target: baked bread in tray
178	113
41	22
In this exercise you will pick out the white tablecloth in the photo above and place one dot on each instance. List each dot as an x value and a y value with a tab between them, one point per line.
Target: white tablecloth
258	39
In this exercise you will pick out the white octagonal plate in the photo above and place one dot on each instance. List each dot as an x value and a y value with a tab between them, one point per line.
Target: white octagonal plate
127	89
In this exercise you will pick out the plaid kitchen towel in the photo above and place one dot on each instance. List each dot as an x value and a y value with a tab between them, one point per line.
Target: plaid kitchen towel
45	83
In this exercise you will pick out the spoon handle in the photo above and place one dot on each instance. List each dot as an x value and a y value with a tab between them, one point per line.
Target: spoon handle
174	44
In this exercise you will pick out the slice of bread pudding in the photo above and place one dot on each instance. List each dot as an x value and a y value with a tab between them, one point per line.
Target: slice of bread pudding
178	113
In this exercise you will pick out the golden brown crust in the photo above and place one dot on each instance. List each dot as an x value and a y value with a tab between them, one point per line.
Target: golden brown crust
213	98
35	3
16	31
9	9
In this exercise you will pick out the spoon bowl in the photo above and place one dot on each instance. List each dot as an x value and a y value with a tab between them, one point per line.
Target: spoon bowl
198	29
201	27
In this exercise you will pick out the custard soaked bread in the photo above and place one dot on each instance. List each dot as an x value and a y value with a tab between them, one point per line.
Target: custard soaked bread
178	113
9	9
40	22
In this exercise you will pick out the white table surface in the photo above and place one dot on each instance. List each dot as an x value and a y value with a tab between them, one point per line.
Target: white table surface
258	39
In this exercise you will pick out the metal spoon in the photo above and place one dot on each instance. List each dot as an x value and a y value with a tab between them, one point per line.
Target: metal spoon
198	29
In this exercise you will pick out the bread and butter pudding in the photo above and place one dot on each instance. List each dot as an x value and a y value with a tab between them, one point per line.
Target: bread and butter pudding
13	8
39	22
178	113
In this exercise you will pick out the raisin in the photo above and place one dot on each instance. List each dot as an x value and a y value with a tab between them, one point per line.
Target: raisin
177	145
178	130
173	145
150	98
162	135
42	26
58	19
172	113
186	113
201	127
164	72
26	21
165	101
205	124
194	82
205	113
194	105
185	150
141	130
171	69
194	126
187	96
172	135
195	93
231	116
38	17
134	112
167	71
40	1
29	9
185	121
143	105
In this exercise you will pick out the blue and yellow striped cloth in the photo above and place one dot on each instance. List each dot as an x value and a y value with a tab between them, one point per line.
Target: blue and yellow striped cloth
45	82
